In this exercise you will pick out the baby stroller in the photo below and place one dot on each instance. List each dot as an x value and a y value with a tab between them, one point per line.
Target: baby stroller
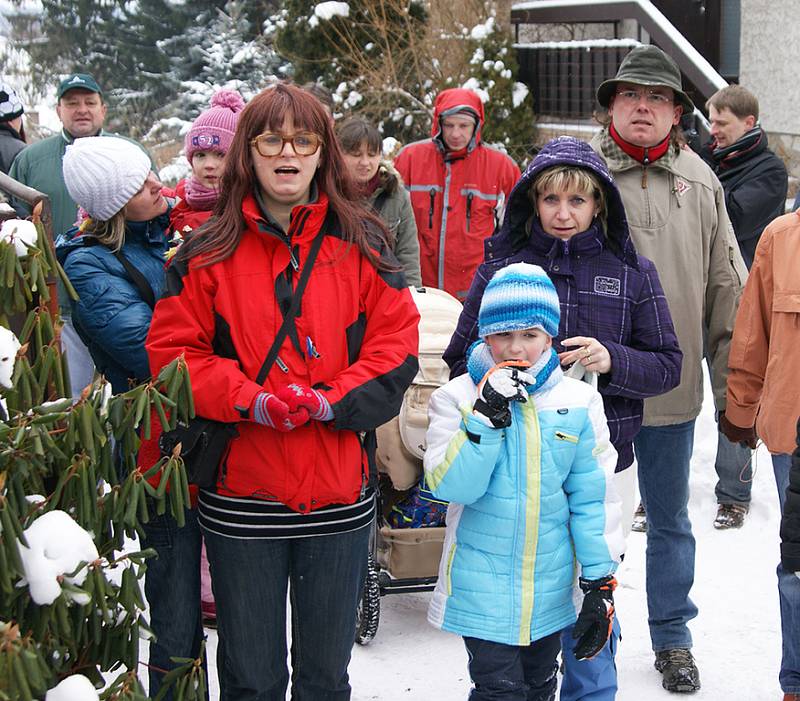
406	559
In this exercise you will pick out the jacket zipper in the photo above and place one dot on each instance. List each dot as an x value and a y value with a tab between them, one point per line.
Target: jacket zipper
645	163
432	196
560	435
469	208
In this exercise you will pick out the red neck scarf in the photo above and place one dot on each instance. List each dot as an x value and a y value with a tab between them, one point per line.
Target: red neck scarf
645	156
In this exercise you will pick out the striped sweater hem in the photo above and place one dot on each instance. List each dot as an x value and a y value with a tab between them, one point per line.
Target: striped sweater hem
252	519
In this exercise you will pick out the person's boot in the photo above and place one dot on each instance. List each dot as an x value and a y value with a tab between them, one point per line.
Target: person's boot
730	515
639	519
678	670
791	697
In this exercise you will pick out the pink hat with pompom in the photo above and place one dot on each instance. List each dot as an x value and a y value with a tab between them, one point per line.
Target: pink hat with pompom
213	129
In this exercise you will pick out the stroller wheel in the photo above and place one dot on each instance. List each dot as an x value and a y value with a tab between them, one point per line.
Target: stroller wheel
369	607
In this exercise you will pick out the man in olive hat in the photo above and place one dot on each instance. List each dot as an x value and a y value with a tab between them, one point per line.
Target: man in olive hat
82	112
676	213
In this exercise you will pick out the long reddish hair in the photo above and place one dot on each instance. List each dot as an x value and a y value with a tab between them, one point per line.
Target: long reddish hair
218	239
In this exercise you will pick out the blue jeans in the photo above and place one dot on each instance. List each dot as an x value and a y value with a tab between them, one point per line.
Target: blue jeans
663	454
735	472
172	588
589	680
513	672
789	595
325	575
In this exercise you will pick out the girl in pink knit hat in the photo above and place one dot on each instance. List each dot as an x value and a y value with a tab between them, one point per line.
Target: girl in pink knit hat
205	144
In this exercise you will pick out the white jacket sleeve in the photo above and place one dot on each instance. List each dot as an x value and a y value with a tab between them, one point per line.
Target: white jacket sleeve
594	504
462	450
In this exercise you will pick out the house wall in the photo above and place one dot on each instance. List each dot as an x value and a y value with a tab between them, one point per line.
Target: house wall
769	61
768	66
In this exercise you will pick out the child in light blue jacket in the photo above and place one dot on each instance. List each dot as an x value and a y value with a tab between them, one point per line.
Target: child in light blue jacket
523	455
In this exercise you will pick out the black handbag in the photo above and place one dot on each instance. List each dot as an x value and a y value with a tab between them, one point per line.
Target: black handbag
205	442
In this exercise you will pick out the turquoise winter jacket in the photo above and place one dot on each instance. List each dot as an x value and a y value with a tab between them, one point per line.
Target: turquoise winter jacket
527	502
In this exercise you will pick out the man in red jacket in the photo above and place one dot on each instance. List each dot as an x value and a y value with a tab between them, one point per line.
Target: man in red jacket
458	190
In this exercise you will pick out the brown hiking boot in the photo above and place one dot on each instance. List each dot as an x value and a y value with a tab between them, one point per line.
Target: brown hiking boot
730	515
791	697
678	670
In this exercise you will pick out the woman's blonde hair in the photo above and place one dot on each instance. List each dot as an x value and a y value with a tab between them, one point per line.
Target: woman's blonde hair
110	233
564	178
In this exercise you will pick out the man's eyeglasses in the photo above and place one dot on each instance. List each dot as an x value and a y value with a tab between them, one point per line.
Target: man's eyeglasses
655	99
269	143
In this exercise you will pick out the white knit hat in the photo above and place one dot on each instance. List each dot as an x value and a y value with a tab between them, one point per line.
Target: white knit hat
102	173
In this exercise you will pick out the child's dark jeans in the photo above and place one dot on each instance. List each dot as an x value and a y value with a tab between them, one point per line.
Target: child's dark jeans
513	672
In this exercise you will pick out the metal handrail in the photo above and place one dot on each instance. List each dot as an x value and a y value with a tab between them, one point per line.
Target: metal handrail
693	64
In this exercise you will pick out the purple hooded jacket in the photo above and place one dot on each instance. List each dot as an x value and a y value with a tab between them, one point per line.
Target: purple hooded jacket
605	289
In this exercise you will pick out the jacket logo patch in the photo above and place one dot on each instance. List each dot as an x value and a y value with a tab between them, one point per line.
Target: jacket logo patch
607	285
681	187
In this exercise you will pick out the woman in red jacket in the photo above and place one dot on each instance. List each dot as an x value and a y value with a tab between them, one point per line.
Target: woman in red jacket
293	502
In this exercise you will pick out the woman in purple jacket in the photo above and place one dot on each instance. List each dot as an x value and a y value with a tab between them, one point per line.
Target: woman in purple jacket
566	215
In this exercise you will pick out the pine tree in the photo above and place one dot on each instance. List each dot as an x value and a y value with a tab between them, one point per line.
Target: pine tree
69	482
388	59
367	52
124	45
510	121
226	51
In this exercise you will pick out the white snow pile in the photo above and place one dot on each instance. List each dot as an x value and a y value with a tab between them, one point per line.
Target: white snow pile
9	345
475	86
390	147
74	688
518	94
20	234
56	546
480	31
329	10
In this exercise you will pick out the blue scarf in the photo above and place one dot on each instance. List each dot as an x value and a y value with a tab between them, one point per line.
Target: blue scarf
546	370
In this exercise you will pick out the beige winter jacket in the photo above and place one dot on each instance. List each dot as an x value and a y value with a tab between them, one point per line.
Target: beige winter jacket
677	218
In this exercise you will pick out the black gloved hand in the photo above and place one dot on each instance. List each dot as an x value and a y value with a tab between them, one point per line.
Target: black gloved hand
593	627
737	434
502	386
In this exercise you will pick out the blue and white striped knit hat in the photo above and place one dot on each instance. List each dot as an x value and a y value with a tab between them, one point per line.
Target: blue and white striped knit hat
519	296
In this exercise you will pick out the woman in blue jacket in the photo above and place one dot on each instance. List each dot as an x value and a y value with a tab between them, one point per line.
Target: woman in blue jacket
115	260
614	317
111	180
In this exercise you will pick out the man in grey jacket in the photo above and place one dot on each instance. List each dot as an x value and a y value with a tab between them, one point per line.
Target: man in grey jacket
676	213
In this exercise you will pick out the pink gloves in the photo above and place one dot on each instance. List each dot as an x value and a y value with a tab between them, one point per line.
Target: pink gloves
299	397
290	407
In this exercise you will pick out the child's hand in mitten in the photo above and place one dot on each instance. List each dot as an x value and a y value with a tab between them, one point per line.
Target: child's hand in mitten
593	626
502	386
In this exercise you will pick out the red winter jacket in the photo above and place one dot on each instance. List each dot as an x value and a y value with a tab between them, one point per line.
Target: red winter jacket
182	218
361	323
474	183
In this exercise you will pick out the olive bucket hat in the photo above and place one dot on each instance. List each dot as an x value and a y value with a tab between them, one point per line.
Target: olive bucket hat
647	65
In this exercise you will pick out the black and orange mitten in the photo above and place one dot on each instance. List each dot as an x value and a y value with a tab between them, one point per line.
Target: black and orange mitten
593	627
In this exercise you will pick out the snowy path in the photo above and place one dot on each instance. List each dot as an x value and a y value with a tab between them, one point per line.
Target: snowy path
736	635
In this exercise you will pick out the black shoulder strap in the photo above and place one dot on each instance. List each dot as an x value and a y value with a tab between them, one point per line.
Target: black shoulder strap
139	280
288	318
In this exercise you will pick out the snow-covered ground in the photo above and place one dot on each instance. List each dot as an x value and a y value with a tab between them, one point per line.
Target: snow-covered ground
736	635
